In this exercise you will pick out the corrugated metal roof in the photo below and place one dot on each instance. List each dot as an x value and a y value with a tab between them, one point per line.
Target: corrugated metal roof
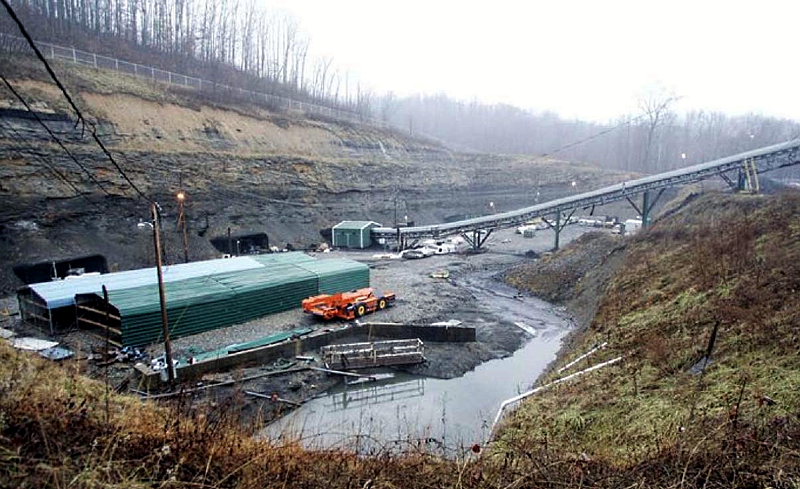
193	306
355	225
200	304
62	293
142	300
338	274
290	257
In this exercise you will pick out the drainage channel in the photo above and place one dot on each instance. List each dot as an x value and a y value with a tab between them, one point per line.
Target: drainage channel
402	411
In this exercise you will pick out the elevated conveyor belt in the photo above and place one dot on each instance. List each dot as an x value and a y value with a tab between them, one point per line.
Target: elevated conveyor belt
731	169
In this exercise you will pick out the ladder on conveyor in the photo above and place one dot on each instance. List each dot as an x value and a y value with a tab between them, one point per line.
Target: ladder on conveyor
751	176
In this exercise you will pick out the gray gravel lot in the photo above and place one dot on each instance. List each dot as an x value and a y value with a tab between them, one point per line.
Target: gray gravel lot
420	299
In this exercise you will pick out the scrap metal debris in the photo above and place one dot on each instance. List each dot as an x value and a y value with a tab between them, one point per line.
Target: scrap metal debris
160	363
114	355
449	323
33	344
57	353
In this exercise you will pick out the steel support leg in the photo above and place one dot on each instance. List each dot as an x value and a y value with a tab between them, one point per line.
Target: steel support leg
557	229
646	207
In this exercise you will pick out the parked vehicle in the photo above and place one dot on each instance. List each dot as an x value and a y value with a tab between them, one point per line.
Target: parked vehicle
632	226
415	254
347	305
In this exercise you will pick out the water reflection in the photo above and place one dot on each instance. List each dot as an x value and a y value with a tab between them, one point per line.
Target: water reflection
375	393
407	412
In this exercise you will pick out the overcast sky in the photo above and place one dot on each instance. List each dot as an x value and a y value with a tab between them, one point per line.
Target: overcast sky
584	59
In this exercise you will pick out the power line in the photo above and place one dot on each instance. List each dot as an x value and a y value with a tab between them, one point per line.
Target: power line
594	136
52	135
52	168
79	115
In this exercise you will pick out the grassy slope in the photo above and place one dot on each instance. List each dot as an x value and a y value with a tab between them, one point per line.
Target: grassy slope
649	416
54	433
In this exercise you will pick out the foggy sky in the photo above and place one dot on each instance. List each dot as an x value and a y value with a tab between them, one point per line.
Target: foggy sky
583	59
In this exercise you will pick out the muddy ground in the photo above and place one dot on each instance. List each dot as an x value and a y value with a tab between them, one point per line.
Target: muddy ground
421	299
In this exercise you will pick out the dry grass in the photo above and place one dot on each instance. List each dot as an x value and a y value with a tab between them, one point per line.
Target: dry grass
734	425
54	433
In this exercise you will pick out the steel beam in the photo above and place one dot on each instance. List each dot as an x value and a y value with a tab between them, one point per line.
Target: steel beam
728	181
646	208
765	159
558	226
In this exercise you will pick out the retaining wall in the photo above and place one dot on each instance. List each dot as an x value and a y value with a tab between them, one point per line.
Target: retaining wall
316	340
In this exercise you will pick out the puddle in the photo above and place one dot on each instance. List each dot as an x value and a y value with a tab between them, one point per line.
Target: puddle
406	411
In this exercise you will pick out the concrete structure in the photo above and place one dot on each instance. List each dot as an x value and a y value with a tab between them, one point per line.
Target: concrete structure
353	234
224	359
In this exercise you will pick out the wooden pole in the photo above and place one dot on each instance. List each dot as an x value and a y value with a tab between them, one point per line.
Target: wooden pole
162	295
182	221
105	360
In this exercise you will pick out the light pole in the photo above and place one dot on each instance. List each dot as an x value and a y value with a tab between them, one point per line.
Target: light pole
162	294
491	207
182	221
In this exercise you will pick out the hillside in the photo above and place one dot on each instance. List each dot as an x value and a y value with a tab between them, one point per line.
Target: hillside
722	267
649	422
249	167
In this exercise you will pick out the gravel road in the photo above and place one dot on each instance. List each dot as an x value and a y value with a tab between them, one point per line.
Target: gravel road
420	299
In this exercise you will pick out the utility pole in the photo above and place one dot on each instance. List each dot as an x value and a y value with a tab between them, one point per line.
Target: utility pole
396	224
182	222
162	295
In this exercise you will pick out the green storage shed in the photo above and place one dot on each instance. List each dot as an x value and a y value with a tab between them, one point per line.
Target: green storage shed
193	306
218	300
353	234
268	290
337	275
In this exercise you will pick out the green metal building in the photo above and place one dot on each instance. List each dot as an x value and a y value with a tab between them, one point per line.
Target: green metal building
353	234
218	300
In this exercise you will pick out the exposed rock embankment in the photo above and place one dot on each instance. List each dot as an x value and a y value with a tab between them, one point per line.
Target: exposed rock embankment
576	277
242	167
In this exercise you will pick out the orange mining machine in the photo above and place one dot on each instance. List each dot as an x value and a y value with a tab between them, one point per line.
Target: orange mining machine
347	305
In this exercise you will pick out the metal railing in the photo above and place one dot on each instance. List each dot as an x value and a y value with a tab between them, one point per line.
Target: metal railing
15	44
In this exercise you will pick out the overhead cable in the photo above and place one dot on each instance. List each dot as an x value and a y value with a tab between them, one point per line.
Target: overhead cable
80	118
52	135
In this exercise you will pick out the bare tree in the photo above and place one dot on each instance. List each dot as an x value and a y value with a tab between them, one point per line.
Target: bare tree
655	104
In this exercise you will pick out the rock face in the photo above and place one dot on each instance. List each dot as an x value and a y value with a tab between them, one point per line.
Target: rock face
241	167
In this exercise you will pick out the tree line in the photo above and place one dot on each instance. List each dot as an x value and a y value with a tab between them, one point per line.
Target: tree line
242	43
236	42
656	139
